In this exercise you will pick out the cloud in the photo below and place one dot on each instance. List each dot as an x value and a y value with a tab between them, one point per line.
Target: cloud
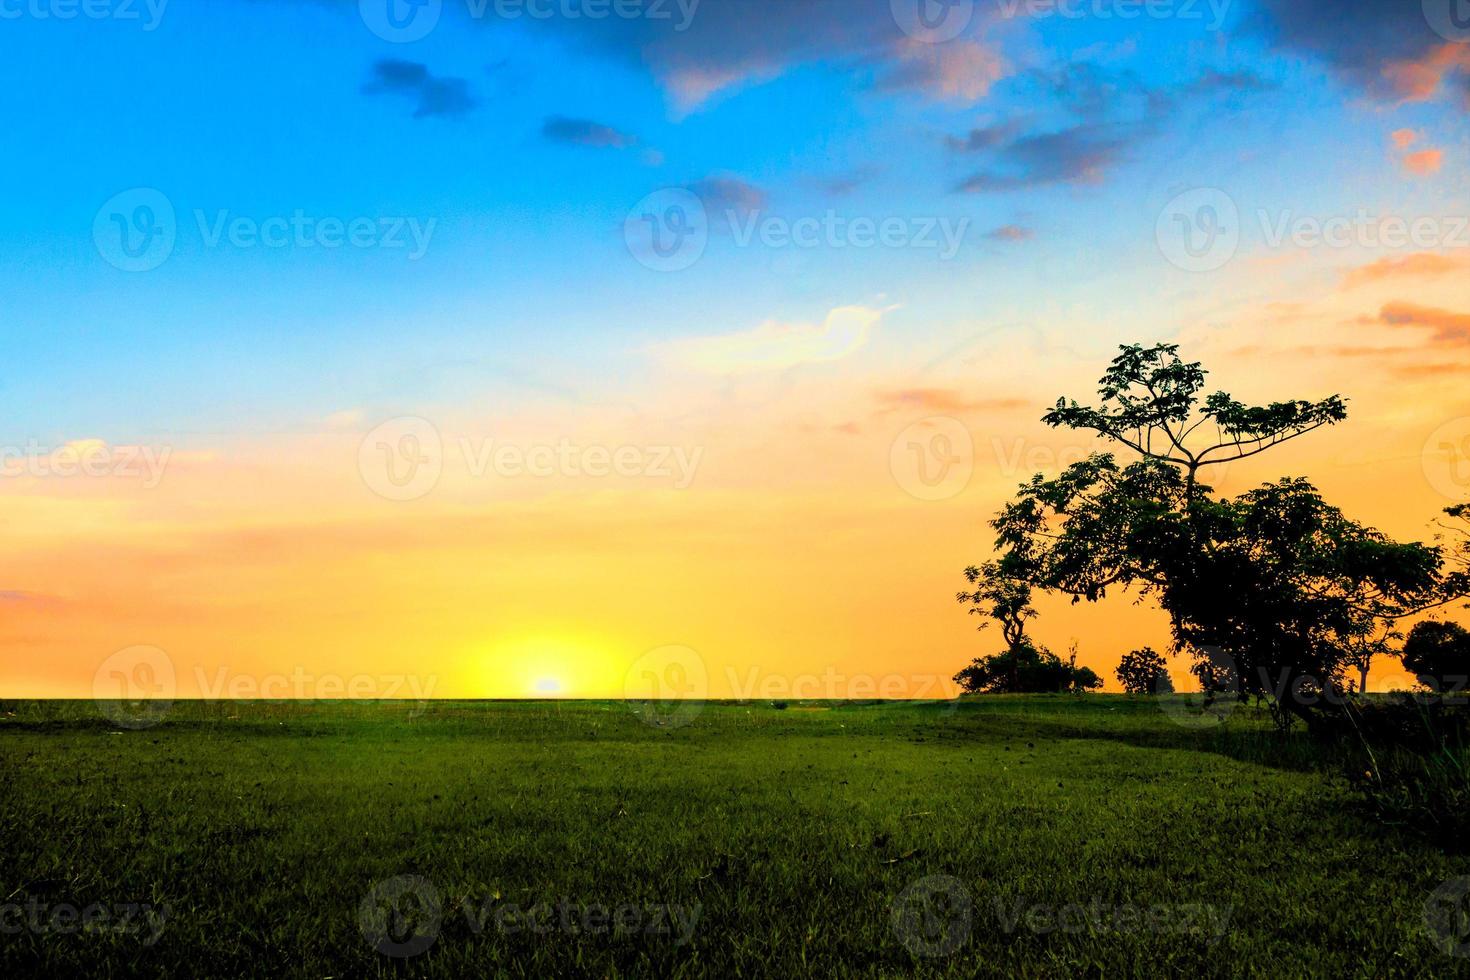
1420	163
1424	162
1419	265
1078	155
947	401
1385	47
702	50
775	346
1212	81
436	96
1011	233
729	194
1420	79
1449	328
961	71
1110	113
841	185
585	132
984	138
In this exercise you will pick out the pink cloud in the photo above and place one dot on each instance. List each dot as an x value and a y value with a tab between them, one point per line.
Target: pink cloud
1424	162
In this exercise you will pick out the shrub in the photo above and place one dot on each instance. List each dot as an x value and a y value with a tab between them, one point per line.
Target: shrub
1414	765
1144	672
1026	668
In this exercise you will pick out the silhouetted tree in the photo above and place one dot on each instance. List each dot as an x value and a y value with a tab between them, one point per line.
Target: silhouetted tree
1439	655
1144	672
1273	587
1362	649
1007	602
1025	669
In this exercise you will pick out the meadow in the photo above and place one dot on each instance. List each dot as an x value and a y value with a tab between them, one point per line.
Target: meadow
1000	835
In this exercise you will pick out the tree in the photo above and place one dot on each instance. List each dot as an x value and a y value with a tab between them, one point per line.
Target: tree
1025	669
1438	653
1008	602
1144	672
1362	650
1269	590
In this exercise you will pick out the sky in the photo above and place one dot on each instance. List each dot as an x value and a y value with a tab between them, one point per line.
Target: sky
526	348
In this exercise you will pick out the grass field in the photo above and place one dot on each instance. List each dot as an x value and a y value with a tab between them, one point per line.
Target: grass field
1036	836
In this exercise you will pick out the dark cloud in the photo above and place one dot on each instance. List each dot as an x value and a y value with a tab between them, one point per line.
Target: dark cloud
1212	81
696	50
1384	46
1081	154
434	95
983	138
585	132
1097	118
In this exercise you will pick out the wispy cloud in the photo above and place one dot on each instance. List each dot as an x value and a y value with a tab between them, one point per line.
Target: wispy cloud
585	132
1079	155
723	193
775	346
1449	328
949	401
1011	233
1419	265
433	95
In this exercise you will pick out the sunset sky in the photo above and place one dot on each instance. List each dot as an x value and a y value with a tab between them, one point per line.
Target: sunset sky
497	349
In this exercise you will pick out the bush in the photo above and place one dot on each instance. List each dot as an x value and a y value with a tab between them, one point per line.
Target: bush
1144	672
1414	765
1025	669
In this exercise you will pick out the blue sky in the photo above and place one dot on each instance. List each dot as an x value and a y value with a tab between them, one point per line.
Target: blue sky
531	233
262	109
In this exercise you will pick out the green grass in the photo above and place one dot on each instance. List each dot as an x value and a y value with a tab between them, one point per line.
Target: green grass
793	834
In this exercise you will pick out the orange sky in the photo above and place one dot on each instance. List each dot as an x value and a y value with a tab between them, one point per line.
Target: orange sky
802	558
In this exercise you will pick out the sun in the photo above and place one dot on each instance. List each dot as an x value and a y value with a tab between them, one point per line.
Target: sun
550	664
